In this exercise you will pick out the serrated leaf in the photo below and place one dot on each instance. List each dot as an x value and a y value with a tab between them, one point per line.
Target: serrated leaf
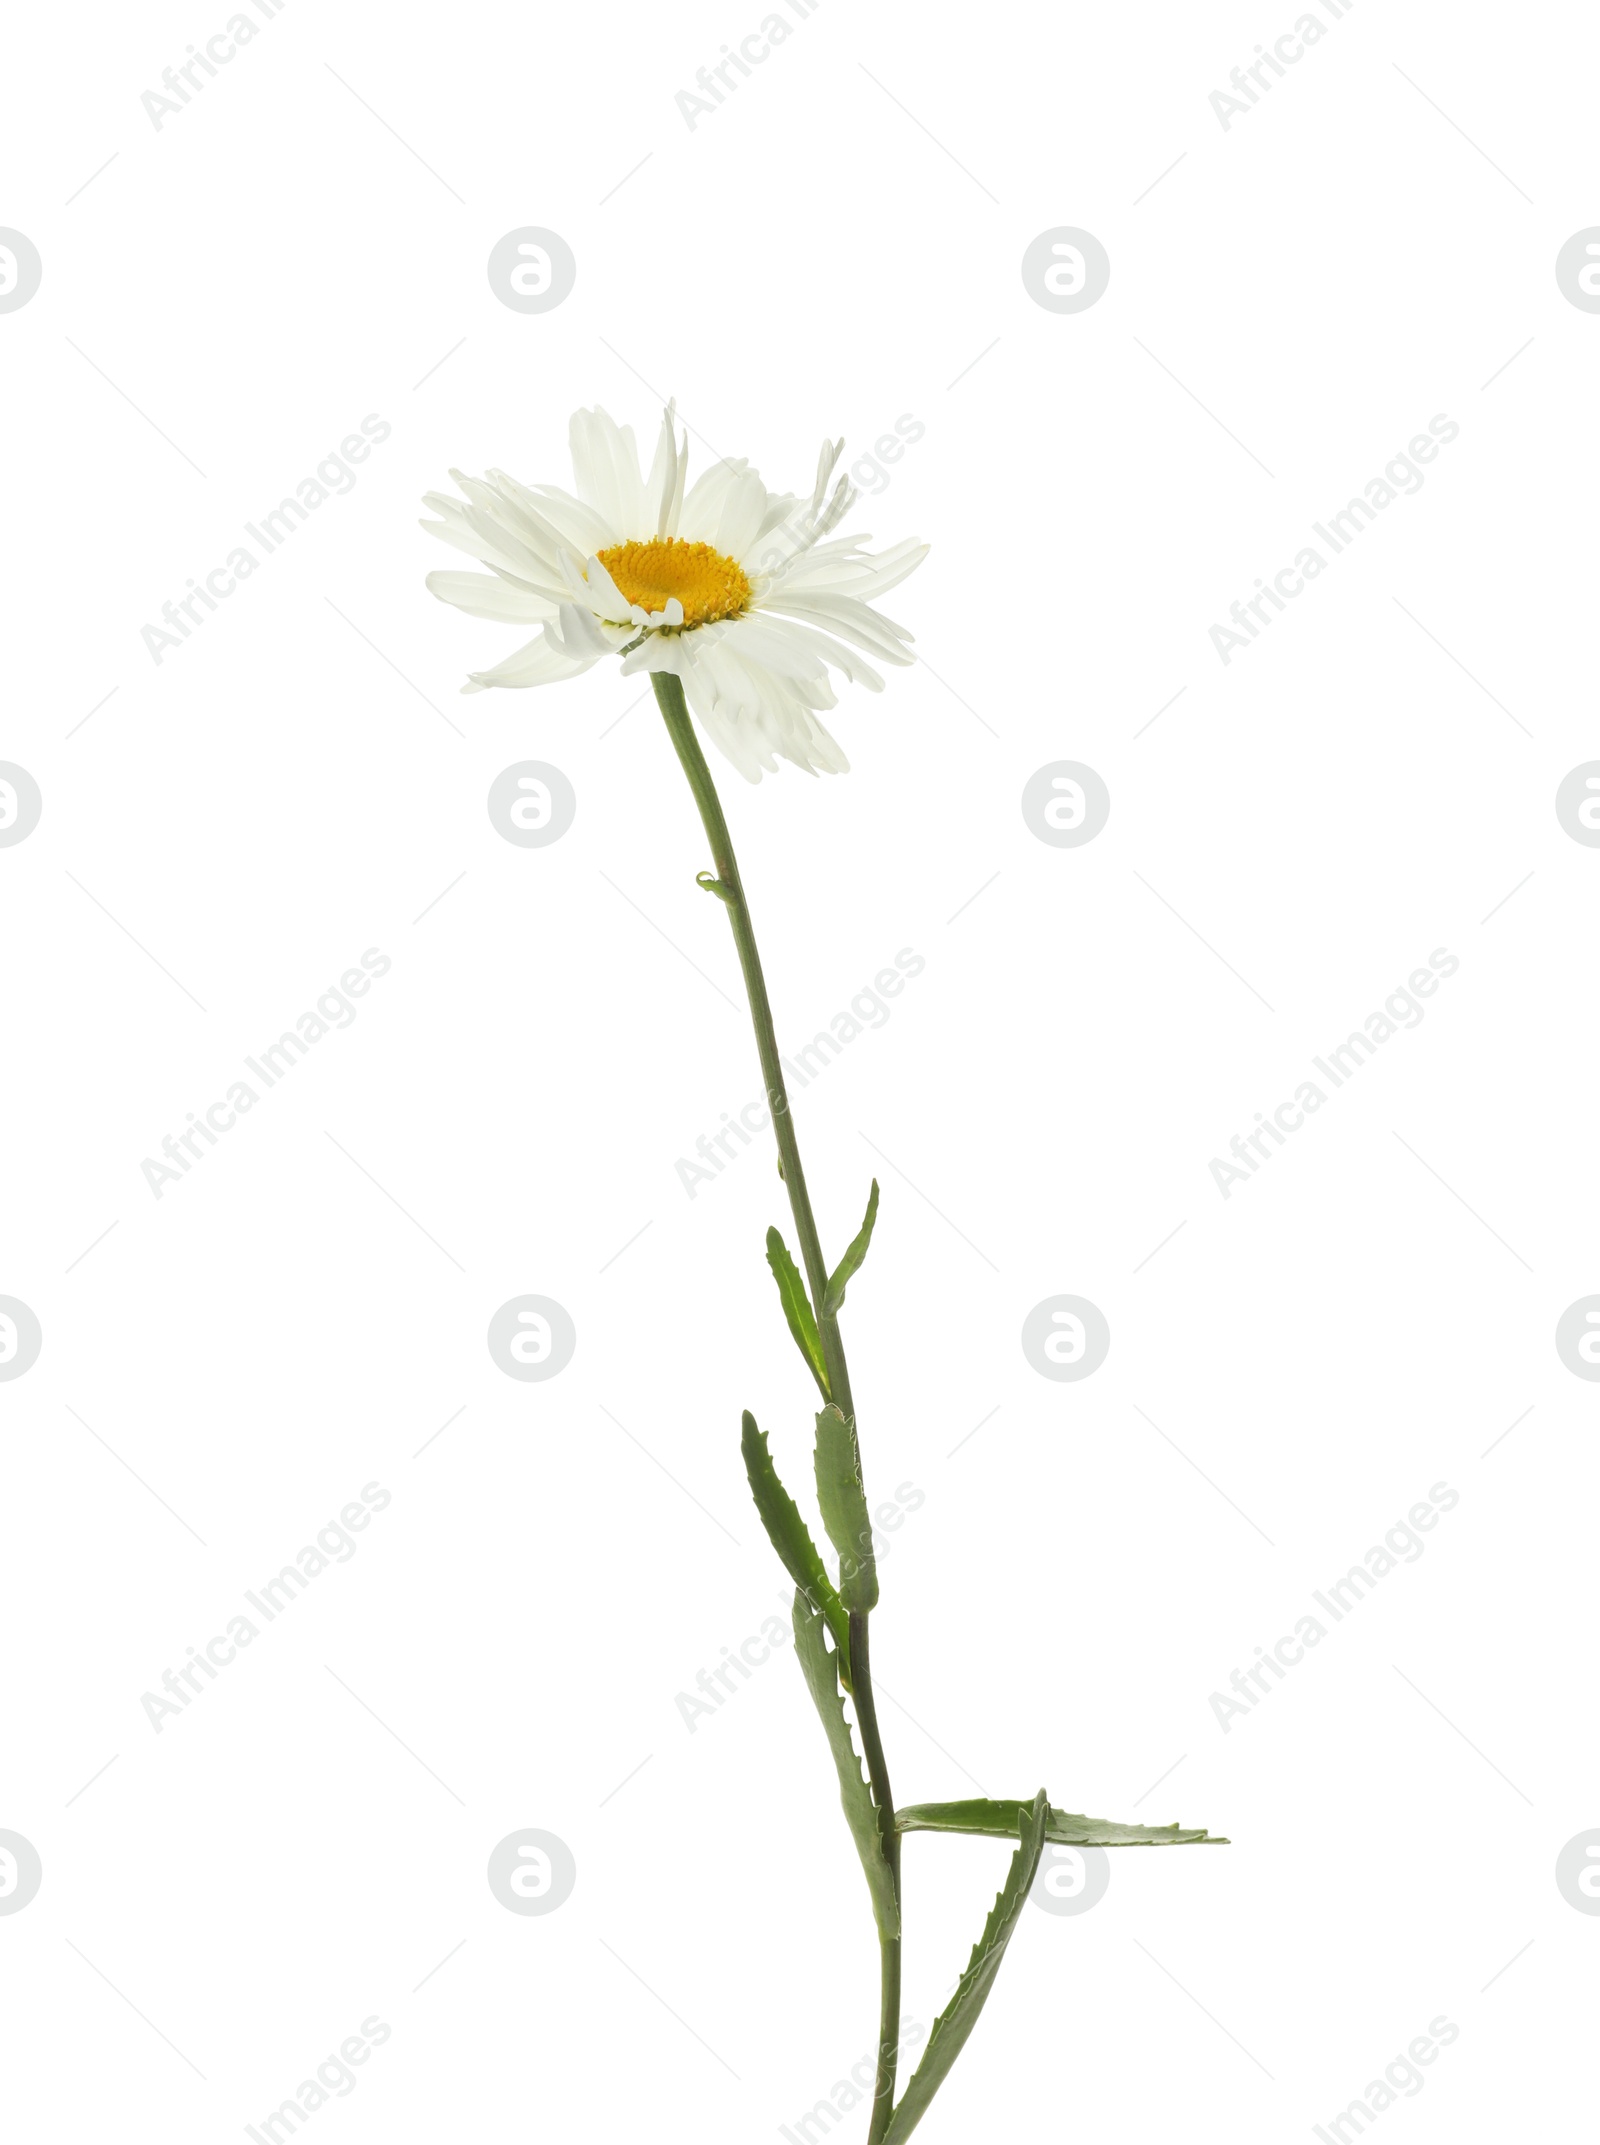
992	1820
956	2021
821	1671
833	1294
789	1534
844	1509
797	1309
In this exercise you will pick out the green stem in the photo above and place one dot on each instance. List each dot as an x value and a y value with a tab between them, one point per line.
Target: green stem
669	695
888	1947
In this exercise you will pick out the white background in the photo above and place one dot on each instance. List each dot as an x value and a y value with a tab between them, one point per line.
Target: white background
228	831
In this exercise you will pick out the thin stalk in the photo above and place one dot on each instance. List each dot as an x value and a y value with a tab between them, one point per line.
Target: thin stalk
669	693
675	713
888	1947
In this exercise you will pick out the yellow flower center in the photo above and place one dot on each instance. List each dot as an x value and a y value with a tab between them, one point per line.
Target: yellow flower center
650	574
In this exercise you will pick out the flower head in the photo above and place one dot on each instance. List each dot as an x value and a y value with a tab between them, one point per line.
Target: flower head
743	593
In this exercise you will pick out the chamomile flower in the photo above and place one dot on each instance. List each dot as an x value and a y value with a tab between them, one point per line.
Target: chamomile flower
744	594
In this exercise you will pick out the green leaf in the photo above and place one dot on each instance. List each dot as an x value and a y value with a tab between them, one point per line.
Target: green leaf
797	1308
960	2015
999	1820
833	1294
821	1671
712	886
790	1536
844	1509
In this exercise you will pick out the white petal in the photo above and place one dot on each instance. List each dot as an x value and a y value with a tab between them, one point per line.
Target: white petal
735	740
576	524
751	714
488	595
801	635
780	505
582	635
702	507
501	552
665	482
515	508
605	599
744	509
826	460
605	467
776	644
659	651
845	616
542	662
839	566
844	498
